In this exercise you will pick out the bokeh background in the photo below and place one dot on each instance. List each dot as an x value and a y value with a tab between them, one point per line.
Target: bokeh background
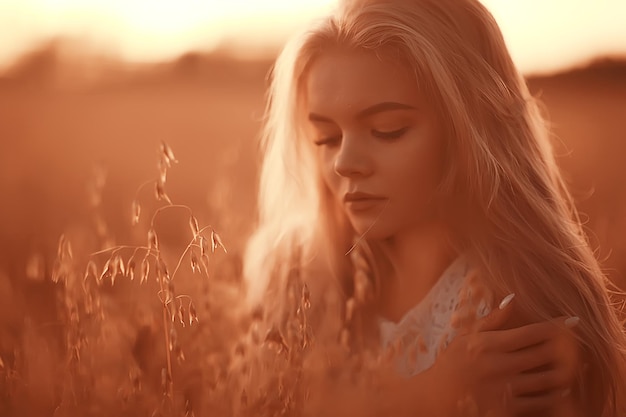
90	89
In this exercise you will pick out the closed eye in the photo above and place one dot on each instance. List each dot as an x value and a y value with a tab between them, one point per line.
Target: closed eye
394	134
328	141
335	140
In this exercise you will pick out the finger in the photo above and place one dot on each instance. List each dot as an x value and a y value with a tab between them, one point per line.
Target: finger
525	360
534	382
511	340
498	316
536	403
558	333
570	322
566	332
567	347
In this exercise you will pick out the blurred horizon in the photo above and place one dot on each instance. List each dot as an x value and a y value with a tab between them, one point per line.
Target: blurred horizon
60	116
543	37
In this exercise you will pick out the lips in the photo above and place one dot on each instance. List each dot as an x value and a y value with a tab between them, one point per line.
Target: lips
360	201
358	196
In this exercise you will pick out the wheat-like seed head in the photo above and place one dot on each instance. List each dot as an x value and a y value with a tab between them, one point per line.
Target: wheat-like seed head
136	211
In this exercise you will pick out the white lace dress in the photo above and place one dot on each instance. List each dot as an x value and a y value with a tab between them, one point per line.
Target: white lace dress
428	328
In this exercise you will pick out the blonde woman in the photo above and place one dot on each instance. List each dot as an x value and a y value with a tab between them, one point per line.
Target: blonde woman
406	162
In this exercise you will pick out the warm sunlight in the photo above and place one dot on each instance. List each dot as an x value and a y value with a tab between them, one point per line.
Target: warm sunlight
548	35
180	237
146	29
542	35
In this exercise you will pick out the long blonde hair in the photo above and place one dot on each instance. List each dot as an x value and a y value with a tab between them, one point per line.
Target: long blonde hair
513	214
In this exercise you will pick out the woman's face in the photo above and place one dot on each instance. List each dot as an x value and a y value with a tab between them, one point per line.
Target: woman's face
379	142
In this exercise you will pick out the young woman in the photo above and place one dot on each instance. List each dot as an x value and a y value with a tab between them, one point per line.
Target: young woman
405	160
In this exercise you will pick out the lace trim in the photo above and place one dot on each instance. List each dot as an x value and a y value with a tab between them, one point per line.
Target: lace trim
428	328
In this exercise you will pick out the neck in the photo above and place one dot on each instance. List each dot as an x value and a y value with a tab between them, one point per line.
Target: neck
414	262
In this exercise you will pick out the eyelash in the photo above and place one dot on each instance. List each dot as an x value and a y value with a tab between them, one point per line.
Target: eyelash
396	134
326	141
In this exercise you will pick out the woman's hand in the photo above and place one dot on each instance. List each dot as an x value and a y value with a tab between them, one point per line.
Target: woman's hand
513	372
484	372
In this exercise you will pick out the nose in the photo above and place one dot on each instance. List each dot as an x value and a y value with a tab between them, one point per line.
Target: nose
353	158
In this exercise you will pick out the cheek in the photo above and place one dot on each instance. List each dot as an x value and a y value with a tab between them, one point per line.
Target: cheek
418	166
417	175
432	169
326	166
431	159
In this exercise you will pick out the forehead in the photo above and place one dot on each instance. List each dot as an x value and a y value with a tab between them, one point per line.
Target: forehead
342	79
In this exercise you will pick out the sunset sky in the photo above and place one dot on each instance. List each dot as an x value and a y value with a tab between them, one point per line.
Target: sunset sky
543	35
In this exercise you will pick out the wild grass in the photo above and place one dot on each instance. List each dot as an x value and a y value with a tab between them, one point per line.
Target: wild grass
159	329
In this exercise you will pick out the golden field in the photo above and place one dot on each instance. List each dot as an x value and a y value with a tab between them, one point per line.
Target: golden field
78	139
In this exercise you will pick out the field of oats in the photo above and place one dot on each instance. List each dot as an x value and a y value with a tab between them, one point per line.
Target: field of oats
127	196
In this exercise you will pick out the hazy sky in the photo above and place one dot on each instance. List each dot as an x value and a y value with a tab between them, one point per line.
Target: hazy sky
542	34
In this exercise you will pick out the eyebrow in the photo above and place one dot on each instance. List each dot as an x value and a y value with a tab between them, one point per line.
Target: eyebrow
370	111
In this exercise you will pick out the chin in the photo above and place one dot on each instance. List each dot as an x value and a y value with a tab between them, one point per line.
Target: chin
375	232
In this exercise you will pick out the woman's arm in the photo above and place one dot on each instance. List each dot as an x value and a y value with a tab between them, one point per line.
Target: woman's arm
527	370
481	372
